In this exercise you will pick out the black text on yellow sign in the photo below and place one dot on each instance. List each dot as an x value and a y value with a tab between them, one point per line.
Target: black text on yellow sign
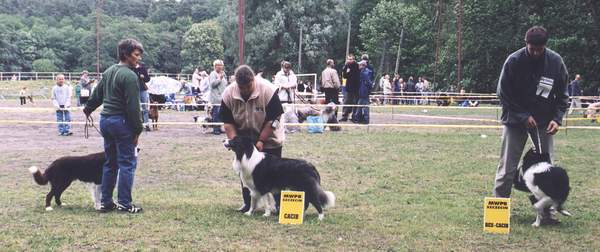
291	210
496	215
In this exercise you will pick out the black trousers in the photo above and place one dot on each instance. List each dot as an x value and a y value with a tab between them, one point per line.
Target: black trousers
332	95
23	100
351	98
246	192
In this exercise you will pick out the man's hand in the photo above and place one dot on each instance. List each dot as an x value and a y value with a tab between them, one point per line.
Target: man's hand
552	128
260	145
135	140
531	122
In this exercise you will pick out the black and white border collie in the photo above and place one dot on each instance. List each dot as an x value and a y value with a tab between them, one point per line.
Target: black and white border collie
65	170
265	175
549	184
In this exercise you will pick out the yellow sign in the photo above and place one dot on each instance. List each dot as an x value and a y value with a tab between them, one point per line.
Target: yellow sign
496	215
291	207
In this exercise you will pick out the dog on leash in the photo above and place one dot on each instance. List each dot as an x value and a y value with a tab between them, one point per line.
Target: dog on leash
63	171
549	185
265	175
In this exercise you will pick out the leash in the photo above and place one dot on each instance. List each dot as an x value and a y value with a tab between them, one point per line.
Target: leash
89	122
539	141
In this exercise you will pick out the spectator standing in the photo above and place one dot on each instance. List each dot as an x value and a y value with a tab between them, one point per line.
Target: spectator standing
351	73
386	86
85	88
23	95
330	83
287	82
574	91
217	81
143	77
61	100
366	84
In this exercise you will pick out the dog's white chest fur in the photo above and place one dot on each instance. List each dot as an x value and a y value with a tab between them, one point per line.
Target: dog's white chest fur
246	166
530	175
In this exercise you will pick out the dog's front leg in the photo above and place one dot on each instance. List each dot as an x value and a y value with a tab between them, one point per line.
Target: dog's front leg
254	197
539	207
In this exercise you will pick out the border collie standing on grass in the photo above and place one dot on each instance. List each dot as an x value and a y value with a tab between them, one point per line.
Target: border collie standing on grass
549	185
264	174
63	171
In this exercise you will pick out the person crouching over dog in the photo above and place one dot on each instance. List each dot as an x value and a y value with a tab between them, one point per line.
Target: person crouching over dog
120	124
251	107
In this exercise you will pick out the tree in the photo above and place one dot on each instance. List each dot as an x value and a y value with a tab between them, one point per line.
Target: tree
202	44
380	33
44	65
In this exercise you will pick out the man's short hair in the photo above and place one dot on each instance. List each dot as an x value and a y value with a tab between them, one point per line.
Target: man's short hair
244	75
364	57
329	62
218	62
127	47
537	36
286	64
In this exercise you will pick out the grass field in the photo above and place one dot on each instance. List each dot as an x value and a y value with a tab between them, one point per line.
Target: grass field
397	190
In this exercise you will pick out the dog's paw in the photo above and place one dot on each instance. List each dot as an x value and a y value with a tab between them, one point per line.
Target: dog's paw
49	209
249	213
63	204
321	217
267	214
535	224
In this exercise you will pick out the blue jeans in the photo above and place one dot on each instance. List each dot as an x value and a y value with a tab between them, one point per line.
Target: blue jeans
63	116
120	158
216	118
362	113
144	100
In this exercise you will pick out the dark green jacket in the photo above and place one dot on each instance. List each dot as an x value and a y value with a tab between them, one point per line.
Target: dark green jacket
120	93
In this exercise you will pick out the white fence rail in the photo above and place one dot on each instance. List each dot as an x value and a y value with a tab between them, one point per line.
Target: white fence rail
18	76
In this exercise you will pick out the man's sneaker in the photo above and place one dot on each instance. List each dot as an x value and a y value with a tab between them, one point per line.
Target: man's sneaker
344	119
148	128
105	208
131	209
69	134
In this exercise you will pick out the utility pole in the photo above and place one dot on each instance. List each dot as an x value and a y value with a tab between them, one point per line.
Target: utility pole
349	29
300	51
459	44
399	49
98	10
241	14
438	34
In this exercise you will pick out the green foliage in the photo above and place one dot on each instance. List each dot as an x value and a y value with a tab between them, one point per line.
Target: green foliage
44	65
272	33
202	44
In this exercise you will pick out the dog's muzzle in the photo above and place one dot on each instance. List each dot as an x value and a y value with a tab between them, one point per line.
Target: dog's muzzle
226	144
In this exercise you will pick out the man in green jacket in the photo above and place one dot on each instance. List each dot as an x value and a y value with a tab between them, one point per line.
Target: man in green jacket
120	124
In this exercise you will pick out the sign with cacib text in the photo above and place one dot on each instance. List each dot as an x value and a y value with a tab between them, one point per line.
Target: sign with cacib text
291	207
496	215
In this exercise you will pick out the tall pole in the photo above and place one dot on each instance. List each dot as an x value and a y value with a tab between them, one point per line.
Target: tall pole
348	37
399	49
241	14
459	44
300	51
438	34
98	9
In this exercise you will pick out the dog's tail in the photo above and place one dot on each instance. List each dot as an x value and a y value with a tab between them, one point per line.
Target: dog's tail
39	178
328	199
563	211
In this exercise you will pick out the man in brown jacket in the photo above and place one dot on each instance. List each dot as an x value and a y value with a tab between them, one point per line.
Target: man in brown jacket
251	107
